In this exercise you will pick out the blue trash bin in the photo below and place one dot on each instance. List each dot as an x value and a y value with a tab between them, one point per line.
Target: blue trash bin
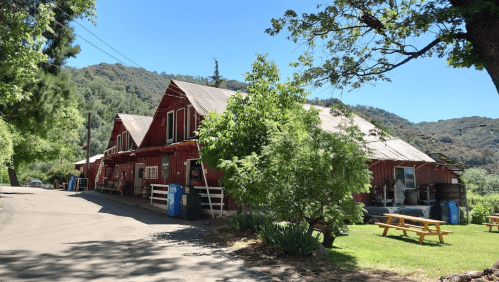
453	212
175	192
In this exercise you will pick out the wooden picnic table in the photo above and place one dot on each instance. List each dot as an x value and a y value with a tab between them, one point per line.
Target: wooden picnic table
422	231
494	221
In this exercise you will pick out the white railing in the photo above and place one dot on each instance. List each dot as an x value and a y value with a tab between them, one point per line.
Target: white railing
159	192
200	189
212	196
110	151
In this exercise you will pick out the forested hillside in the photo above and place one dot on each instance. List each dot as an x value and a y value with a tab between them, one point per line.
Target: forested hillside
106	90
462	139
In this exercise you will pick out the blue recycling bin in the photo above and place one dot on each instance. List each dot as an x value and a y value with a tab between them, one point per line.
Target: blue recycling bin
175	192
453	212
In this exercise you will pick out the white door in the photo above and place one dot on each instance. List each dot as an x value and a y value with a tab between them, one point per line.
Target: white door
138	178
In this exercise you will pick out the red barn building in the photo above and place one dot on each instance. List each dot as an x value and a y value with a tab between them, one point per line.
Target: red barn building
94	163
163	149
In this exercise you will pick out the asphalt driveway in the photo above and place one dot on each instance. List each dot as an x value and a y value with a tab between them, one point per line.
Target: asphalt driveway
49	235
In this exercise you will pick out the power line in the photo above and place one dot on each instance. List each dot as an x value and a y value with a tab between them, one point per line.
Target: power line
74	20
93	45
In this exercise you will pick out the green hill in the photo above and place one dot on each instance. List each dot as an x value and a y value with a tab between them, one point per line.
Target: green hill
105	90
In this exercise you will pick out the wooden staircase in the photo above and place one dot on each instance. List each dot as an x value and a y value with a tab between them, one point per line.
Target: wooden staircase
99	177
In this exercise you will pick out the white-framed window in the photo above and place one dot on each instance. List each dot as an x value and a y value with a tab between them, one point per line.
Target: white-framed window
116	171
192	122
180	124
118	143
407	175
151	172
129	142
124	136
170	127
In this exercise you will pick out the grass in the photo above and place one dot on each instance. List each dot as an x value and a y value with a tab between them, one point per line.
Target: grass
470	247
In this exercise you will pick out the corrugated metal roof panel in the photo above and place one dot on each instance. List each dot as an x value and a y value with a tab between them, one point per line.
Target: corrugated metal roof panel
136	125
391	149
91	160
205	98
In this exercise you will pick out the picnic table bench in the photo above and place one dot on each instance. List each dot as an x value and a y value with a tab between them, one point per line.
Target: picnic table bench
494	221
421	231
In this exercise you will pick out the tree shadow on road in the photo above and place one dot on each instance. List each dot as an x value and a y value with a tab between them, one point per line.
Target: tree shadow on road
143	260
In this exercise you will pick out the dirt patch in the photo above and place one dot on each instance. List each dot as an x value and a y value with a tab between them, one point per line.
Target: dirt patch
281	267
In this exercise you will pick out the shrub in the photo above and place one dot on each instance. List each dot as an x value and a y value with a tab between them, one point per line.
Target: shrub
288	238
479	214
62	172
249	221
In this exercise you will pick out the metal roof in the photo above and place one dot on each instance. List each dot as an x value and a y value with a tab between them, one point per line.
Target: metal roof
205	98
393	148
448	162
136	125
91	160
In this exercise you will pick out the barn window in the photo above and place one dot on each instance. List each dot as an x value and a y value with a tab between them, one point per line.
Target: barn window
124	140
118	144
129	142
151	172
406	175
191	122
170	127
116	171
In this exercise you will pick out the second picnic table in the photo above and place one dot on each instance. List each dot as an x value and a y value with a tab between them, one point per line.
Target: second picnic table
422	231
494	221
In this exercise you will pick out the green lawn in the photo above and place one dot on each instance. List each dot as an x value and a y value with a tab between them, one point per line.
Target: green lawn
470	247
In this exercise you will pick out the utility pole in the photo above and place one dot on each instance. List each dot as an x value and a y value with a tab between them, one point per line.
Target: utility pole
88	143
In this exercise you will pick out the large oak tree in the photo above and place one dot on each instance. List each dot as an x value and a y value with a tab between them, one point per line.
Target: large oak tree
364	39
36	99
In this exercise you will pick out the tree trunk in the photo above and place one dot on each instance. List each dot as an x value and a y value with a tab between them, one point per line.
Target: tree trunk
483	34
13	177
328	236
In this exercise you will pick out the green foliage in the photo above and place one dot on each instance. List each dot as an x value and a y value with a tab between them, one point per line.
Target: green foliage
21	43
274	154
253	221
28	175
4	175
216	78
288	238
490	202
479	214
6	149
44	126
364	40
62	172
235	138
478	181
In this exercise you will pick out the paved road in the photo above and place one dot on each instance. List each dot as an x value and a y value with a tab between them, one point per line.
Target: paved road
48	235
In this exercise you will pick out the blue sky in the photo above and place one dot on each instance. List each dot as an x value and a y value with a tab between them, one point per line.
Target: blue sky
183	37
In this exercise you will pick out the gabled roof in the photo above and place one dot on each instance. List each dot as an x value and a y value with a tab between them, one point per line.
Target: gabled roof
205	98
136	125
91	160
393	148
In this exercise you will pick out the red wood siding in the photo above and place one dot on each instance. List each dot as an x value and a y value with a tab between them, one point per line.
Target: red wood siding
180	121
426	173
